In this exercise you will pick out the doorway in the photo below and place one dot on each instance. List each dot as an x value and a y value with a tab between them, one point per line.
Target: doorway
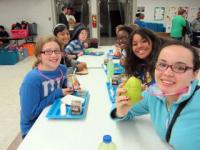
112	13
80	9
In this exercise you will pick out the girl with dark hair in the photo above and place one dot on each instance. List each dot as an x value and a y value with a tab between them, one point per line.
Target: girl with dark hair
61	32
138	20
78	41
3	34
123	35
143	46
173	101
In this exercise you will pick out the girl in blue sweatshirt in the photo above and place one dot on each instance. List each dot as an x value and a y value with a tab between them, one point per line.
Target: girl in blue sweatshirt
45	83
176	69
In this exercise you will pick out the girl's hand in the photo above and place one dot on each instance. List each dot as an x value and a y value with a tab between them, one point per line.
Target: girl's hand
86	45
144	86
80	53
76	85
122	104
67	91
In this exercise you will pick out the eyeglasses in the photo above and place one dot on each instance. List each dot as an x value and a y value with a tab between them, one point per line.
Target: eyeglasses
177	67
50	52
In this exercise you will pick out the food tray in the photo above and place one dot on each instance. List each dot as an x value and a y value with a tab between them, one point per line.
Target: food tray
112	90
93	52
116	57
54	111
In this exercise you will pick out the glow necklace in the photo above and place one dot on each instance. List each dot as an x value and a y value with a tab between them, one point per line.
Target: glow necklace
155	91
44	76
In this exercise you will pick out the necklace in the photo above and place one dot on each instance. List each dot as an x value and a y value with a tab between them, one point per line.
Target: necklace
44	76
155	91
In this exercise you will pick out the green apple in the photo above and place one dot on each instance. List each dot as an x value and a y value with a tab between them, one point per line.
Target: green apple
134	89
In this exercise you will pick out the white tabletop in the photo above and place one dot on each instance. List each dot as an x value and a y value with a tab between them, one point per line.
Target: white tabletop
86	134
95	61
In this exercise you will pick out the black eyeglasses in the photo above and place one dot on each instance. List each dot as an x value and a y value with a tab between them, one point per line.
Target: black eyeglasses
177	67
50	52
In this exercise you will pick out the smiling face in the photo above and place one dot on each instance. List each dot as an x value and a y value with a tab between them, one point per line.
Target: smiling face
50	62
169	81
63	37
122	39
83	35
141	47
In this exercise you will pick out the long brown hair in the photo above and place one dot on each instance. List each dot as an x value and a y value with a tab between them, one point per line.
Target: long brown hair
39	45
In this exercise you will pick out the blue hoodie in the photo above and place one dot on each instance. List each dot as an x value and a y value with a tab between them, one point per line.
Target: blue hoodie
185	133
37	92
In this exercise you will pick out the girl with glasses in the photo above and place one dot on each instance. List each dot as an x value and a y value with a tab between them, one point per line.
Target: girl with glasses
176	86
45	83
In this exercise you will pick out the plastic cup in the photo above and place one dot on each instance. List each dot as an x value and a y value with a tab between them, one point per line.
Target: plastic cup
72	81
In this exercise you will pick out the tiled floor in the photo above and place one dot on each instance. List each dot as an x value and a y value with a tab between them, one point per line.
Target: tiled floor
10	80
11	77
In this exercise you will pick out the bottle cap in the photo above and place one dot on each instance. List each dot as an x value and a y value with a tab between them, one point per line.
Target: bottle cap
107	139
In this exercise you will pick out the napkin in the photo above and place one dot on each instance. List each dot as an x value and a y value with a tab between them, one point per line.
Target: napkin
69	98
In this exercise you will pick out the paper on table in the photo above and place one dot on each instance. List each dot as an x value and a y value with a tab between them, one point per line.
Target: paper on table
69	98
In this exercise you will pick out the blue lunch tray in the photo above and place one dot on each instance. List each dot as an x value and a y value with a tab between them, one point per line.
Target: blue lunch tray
91	51
116	57
112	91
54	111
94	53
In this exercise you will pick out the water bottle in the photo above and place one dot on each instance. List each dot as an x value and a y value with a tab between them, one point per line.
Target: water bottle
107	143
110	67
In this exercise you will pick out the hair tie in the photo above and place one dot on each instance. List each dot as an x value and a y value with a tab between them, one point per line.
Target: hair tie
57	25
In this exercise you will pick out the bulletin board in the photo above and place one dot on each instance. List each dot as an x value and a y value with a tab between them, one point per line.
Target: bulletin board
170	12
193	13
159	13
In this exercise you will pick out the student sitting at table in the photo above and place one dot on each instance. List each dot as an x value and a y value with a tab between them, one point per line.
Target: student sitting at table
43	84
123	35
3	34
176	69
61	32
78	41
143	46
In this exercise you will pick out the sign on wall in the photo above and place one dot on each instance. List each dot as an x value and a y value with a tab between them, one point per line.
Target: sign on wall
141	9
159	13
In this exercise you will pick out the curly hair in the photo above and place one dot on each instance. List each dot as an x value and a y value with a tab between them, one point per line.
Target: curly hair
134	66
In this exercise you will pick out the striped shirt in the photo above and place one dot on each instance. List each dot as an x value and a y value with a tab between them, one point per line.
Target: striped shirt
74	47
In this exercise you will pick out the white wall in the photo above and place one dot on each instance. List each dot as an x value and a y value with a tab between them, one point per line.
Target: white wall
151	4
39	11
93	11
42	11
